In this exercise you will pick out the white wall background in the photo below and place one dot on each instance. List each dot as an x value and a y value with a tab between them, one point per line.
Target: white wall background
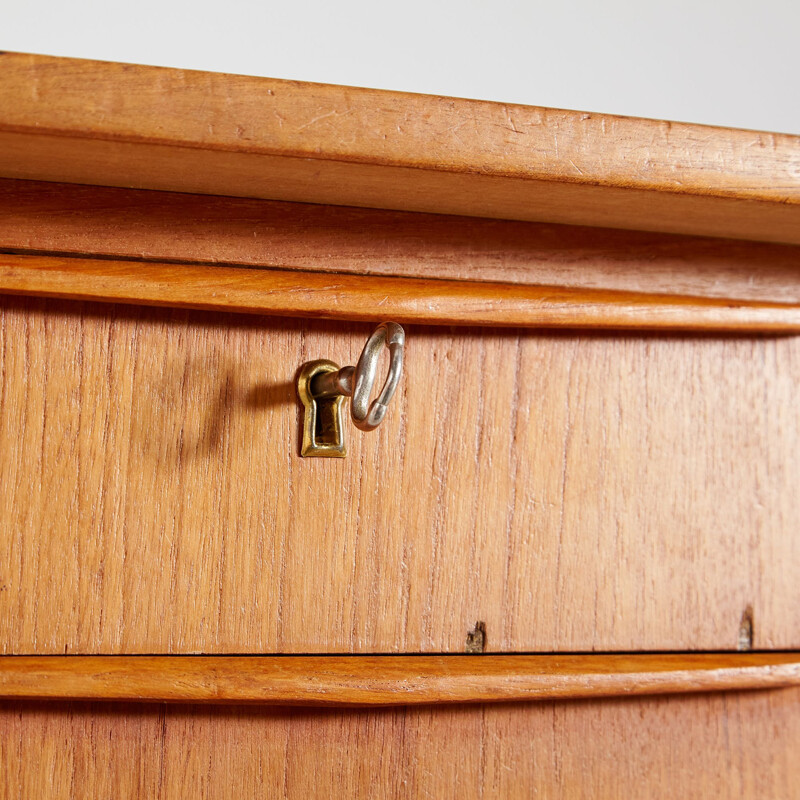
731	62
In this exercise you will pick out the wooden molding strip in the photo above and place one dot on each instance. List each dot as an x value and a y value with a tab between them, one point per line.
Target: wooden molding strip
386	680
145	127
367	298
60	218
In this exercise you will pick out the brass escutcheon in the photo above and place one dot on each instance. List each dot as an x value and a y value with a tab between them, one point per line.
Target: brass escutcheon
322	386
323	432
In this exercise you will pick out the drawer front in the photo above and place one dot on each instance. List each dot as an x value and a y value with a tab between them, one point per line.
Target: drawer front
572	492
719	745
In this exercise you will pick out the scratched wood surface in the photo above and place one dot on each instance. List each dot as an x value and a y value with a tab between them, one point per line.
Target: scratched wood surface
572	492
145	127
169	226
740	745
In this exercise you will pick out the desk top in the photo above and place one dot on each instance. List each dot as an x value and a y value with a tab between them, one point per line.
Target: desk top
154	128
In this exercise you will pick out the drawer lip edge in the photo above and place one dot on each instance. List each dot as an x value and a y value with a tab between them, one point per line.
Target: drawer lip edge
389	680
299	293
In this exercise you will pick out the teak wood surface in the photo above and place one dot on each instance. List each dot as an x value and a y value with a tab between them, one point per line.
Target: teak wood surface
99	123
531	491
732	745
62	219
387	680
573	492
367	264
294	293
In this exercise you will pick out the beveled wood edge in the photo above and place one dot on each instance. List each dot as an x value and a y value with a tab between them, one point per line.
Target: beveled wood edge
367	298
148	127
387	680
38	217
328	122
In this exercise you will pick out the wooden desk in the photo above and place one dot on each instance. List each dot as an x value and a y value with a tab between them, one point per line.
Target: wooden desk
587	478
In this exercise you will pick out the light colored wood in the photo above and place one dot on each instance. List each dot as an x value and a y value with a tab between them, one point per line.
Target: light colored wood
146	127
294	293
387	680
740	745
574	492
166	226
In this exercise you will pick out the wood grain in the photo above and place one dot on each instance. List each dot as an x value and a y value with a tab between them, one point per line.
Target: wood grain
293	293
573	492
387	680
167	226
145	127
739	745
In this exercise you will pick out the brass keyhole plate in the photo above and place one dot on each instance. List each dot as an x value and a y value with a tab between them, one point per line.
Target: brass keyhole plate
323	431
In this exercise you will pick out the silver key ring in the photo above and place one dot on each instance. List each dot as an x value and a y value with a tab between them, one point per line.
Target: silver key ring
368	416
357	382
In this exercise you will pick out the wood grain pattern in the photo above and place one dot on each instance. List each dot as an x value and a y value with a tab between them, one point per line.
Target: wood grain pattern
387	680
99	123
740	745
573	492
167	226
294	293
